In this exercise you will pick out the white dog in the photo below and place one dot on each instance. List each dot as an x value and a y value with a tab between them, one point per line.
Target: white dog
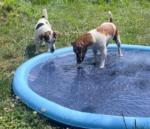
44	31
97	39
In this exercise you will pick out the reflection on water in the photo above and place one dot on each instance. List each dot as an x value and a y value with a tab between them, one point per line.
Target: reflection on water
123	85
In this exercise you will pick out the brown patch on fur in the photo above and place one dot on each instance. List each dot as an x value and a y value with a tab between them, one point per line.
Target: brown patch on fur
45	36
117	31
84	41
80	46
107	29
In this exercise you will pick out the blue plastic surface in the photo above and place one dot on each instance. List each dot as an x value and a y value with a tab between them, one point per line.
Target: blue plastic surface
65	115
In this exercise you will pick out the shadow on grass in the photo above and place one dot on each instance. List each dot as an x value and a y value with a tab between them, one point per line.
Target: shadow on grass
30	51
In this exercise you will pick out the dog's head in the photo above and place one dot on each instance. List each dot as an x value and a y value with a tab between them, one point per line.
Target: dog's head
80	51
80	46
50	38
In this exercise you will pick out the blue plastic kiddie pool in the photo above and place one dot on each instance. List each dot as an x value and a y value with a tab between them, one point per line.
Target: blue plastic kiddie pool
89	97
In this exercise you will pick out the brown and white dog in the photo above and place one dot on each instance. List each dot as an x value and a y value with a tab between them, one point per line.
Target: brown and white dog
43	31
97	39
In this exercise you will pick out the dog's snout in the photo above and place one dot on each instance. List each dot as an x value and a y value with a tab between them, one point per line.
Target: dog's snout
79	60
52	49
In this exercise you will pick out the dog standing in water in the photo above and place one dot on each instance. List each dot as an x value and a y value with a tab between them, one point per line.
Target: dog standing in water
44	31
97	39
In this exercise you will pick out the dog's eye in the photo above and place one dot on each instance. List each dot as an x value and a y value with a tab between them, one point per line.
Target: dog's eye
46	37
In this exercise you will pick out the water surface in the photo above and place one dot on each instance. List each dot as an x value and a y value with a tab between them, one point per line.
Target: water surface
122	86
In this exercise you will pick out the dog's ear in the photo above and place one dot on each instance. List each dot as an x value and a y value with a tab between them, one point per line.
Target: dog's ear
41	36
56	33
47	33
73	43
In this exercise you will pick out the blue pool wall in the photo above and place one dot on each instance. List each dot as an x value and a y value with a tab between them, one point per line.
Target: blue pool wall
65	115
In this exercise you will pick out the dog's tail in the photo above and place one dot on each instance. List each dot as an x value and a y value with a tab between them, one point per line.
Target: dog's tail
44	15
110	15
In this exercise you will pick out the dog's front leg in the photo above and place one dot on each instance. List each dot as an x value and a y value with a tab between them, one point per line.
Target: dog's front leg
43	42
95	55
103	56
53	48
49	47
37	47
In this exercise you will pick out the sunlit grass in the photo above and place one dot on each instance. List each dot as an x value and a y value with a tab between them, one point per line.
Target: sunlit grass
71	18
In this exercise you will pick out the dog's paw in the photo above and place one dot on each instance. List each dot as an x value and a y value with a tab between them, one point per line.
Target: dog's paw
36	53
102	66
48	50
43	43
79	66
120	54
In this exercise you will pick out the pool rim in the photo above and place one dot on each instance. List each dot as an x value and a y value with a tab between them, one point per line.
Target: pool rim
63	114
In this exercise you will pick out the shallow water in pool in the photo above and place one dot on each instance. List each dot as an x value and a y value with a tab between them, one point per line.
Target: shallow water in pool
122	86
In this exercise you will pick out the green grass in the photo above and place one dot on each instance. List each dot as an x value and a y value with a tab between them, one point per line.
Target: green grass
71	18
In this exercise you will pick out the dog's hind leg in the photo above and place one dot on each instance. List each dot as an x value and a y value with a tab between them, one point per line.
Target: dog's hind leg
103	56
37	47
118	42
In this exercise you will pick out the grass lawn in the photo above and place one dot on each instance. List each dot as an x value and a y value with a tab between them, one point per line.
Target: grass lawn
71	18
